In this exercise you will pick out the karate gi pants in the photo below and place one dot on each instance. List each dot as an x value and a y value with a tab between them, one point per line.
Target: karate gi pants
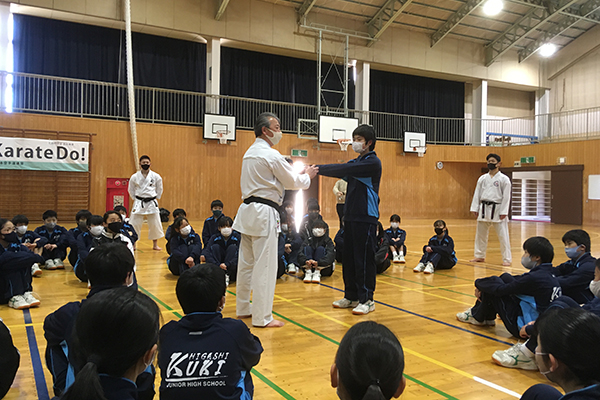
155	230
359	270
481	238
257	273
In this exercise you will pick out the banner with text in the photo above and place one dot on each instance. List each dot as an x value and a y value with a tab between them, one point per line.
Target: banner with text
43	155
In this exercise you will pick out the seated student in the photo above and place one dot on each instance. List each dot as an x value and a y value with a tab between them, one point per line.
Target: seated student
309	220
223	248
396	237
128	229
123	211
112	222
568	354
201	294
55	250
211	226
9	361
575	275
15	269
186	247
382	251
113	348
81	218
85	242
29	239
287	213
179	212
369	364
292	244
318	254
282	264
339	244
518	299
439	252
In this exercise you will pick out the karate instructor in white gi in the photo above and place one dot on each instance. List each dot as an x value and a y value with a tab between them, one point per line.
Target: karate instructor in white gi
265	176
145	187
490	204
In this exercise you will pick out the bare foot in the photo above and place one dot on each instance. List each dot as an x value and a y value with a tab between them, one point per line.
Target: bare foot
506	264
156	248
478	260
244	316
273	324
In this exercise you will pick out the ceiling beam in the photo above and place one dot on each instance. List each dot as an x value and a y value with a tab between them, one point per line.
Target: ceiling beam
385	17
305	8
454	20
222	7
527	24
565	23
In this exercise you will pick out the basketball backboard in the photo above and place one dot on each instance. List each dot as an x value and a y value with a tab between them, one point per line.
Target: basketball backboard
216	125
333	128
414	141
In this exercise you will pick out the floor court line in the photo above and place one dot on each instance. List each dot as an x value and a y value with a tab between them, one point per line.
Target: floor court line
428	285
36	361
421	291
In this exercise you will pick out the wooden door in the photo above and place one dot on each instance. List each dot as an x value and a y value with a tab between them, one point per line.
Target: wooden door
567	197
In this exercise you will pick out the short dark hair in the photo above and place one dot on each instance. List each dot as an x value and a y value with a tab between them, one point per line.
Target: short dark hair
224	221
395	218
262	121
216	203
288	203
312	204
578	236
145	157
179	212
82	214
177	223
20	219
49	214
541	247
493	155
200	288
106	214
367	132
442	223
319	223
120	208
109	264
95	220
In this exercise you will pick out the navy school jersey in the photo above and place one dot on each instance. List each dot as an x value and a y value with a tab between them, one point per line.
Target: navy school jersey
182	248
445	246
58	236
396	234
31	236
129	231
575	277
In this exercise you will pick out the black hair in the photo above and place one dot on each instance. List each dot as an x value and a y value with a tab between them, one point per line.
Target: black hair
3	222
224	221
578	236
496	156
49	214
113	331
95	220
216	203
145	157
106	214
572	335
120	208
395	218
370	362
319	223
109	264
380	231
200	288
20	219
82	214
288	203
539	246
262	121
312	204
367	132
179	212
177	224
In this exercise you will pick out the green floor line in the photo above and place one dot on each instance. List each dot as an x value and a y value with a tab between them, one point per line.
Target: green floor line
431	286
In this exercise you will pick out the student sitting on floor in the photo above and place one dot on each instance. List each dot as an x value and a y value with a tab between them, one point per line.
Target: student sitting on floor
55	250
29	239
81	219
223	248
439	252
15	269
211	224
178	212
112	223
292	243
9	361
396	237
128	229
339	244
84	244
307	223
113	348
382	252
369	364
318	255
518	299
201	294
186	247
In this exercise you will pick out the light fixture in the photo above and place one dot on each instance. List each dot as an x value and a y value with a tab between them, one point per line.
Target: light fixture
547	49
493	7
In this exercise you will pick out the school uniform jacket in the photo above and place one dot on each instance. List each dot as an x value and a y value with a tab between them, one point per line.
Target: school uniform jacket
31	236
218	239
363	175
107	237
444	247
206	356
129	231
587	393
182	248
84	244
575	277
15	257
314	242
9	361
210	228
58	236
397	234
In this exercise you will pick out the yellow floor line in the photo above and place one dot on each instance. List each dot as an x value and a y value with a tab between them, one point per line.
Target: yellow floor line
421	291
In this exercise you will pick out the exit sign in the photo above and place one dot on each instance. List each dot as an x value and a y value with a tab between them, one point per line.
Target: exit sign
527	160
299	153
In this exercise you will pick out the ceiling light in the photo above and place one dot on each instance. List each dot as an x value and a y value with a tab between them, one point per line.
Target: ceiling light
493	7
548	49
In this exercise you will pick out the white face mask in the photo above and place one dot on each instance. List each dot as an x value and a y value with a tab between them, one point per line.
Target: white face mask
358	147
318	232
395	225
186	230
21	230
289	210
595	288
284	227
276	136
226	231
96	230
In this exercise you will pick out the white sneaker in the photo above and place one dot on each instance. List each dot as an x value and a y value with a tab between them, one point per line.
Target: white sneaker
429	268
364	308
292	270
396	259
316	276
35	270
401	259
49	264
514	357
18	302
32	301
419	268
345	303
308	274
226	280
59	264
467	316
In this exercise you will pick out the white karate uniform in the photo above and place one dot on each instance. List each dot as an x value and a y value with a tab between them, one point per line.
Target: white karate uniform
146	187
265	174
494	189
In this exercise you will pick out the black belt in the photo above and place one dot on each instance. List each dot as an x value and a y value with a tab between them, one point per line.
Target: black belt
488	203
254	199
145	200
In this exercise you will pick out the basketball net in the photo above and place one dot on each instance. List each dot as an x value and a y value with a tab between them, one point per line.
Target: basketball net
344	144
222	135
420	150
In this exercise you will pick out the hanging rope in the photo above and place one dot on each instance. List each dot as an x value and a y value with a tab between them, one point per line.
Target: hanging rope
130	87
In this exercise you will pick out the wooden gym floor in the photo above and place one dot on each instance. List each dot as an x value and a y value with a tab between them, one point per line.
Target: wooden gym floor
444	358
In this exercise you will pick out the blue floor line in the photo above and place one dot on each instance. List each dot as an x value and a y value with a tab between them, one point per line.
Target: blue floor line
36	361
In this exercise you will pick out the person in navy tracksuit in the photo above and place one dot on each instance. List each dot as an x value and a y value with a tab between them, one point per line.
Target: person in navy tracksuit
55	251
186	247
9	361
338	240
178	212
81	218
361	213
29	239
318	253
382	255
292	242
211	224
396	237
223	248
203	355
439	252
85	242
520	299
575	275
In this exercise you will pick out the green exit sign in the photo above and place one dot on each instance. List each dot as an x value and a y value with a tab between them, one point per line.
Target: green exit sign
299	153
527	160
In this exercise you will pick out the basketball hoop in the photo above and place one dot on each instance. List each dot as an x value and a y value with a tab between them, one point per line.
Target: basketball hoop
344	144
222	135
420	150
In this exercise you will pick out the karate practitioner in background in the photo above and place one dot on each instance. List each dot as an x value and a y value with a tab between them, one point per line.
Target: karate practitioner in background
145	187
490	204
265	176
